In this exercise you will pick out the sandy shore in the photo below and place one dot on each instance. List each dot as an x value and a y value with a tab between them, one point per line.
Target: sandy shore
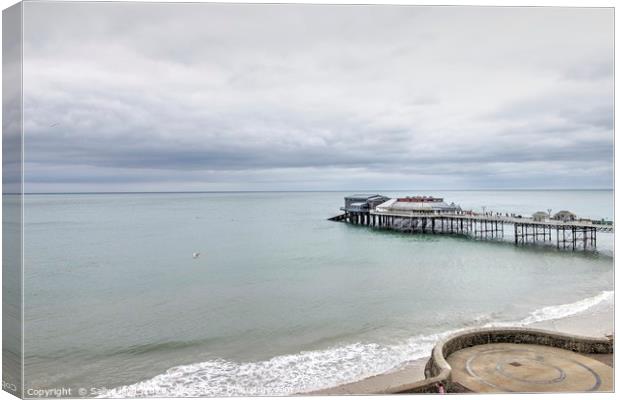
596	321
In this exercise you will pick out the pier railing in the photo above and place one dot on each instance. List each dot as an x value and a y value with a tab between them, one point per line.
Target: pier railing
568	234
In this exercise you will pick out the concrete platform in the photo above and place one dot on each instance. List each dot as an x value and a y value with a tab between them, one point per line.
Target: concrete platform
511	367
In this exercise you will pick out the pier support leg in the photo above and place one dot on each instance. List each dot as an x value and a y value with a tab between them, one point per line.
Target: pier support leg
594	238
516	235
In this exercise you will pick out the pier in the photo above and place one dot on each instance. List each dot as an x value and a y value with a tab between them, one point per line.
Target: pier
429	216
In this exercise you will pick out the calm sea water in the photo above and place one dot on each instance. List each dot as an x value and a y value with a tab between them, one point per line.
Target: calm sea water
280	300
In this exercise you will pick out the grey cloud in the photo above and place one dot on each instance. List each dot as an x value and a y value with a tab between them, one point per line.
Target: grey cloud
591	70
201	96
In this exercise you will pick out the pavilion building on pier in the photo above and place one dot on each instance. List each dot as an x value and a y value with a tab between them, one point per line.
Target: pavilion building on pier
418	205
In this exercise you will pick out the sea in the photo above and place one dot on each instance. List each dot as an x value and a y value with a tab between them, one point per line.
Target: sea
279	300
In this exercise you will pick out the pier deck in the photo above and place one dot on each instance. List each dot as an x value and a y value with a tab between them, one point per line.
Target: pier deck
568	235
499	218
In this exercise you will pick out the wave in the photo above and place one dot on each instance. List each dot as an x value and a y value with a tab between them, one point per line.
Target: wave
282	375
313	370
566	310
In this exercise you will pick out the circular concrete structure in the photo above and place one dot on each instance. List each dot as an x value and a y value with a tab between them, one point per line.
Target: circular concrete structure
510	367
516	359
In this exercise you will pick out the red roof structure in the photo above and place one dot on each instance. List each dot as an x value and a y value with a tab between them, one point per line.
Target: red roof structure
421	199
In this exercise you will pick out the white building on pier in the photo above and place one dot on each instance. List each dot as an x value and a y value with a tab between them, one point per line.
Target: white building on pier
418	205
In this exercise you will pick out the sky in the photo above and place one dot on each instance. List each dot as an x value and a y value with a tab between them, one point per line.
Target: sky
202	97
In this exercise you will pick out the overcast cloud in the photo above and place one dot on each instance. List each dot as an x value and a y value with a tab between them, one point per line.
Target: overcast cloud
132	97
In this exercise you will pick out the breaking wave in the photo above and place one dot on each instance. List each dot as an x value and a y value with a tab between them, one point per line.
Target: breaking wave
566	310
313	370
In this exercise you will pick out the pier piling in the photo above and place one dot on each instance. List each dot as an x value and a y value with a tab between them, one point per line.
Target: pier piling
568	235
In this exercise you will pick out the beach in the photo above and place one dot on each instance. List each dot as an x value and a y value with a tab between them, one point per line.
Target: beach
596	321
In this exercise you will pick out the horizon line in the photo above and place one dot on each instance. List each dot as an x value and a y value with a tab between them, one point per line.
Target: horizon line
315	191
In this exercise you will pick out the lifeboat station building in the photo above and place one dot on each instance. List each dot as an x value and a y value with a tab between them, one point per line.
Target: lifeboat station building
362	202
